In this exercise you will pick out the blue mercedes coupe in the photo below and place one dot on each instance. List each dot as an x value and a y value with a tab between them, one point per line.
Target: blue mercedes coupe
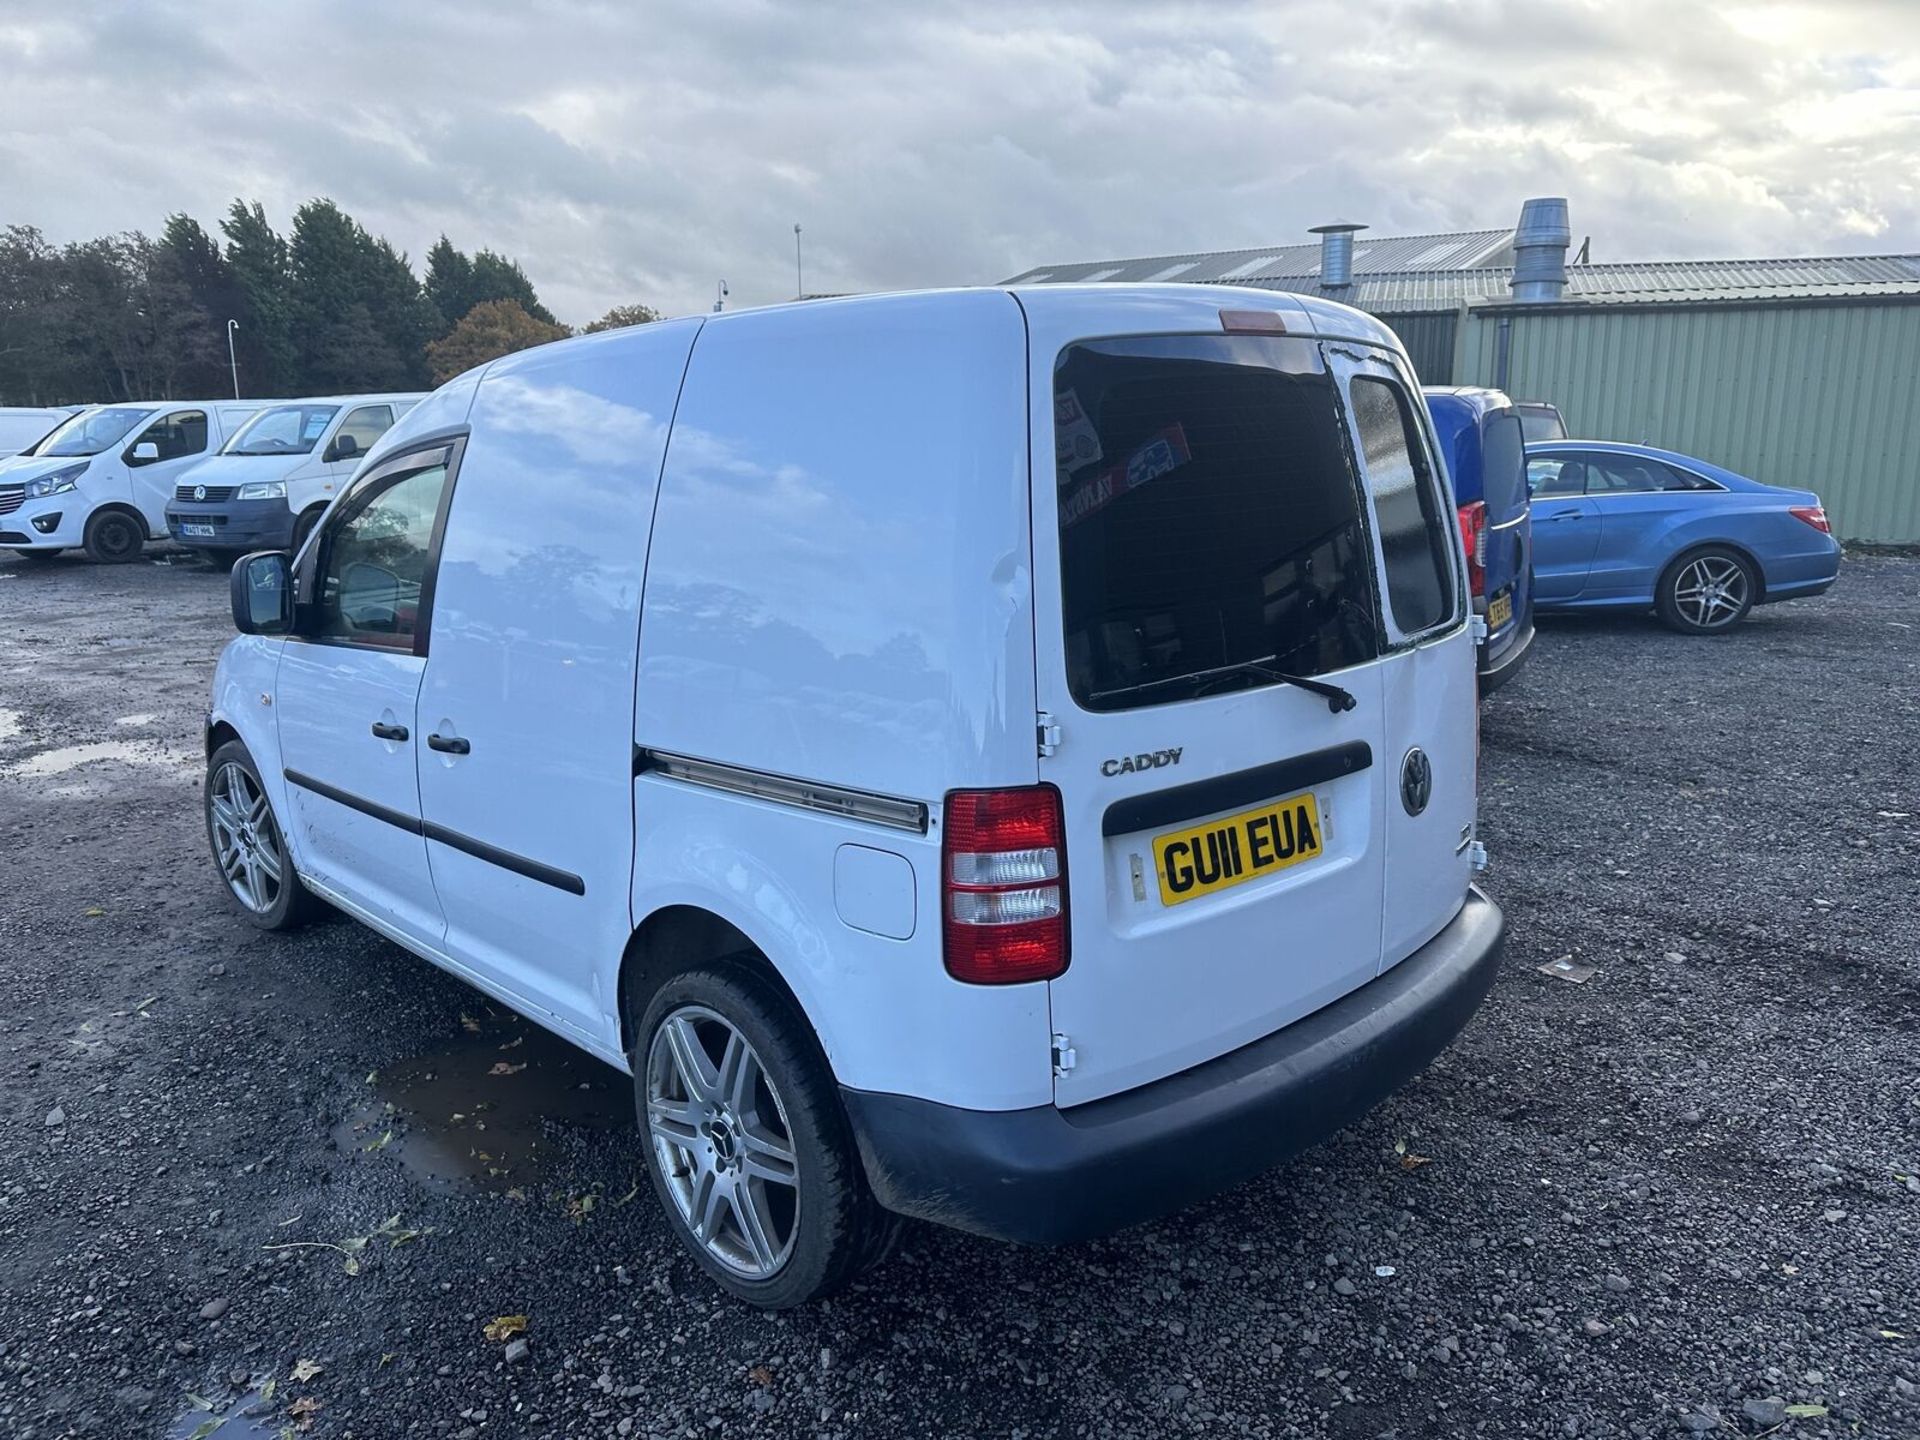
1619	526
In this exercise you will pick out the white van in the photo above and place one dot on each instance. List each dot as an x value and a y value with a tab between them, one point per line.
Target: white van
999	756
269	483
103	478
21	425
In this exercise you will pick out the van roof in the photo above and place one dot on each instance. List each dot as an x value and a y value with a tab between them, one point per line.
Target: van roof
1123	308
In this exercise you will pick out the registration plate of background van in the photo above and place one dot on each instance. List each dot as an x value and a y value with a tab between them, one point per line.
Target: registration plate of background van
205	531
1500	610
1223	853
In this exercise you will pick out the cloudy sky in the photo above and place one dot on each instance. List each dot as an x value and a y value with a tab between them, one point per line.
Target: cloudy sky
642	150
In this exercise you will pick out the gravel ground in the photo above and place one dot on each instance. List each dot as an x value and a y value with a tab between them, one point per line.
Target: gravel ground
1673	1198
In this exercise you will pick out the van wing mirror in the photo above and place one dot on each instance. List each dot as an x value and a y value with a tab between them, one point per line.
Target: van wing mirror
261	588
344	447
145	453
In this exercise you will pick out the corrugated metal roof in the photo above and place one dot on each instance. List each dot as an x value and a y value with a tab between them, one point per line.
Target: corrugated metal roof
1424	286
1407	252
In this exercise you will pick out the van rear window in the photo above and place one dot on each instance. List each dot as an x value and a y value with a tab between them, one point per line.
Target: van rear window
1209	518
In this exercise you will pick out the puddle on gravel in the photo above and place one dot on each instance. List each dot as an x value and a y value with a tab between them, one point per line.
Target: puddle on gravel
72	757
249	1416
133	720
481	1108
9	724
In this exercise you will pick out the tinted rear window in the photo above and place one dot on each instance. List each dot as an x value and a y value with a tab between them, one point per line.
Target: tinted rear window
1209	516
1503	458
1412	531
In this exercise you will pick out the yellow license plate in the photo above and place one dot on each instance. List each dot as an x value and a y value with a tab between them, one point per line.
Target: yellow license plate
1224	853
1499	610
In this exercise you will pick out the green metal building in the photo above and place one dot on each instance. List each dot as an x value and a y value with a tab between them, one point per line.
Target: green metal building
1801	372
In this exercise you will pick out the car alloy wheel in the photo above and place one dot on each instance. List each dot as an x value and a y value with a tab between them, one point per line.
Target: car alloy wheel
1711	592
246	842
721	1139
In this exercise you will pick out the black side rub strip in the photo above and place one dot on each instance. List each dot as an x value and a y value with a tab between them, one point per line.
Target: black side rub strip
1235	791
399	818
414	825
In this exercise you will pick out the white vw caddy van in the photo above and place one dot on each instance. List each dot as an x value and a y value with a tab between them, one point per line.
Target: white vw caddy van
938	809
269	484
103	478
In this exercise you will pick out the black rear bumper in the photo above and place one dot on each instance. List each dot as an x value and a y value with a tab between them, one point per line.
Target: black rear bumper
1049	1176
1496	670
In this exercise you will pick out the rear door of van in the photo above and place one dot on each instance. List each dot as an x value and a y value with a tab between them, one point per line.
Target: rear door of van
1206	521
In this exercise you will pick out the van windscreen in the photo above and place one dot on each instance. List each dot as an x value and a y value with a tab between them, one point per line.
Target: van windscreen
1209	517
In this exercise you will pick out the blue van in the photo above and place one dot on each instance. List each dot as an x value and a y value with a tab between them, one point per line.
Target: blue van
1480	435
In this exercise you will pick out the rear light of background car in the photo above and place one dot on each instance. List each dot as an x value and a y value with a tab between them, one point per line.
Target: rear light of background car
1473	539
1003	885
1814	515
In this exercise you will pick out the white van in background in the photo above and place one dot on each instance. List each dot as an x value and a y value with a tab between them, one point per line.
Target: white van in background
103	478
1005	757
21	425
267	486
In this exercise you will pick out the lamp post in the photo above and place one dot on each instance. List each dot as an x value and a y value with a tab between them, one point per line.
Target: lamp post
720	299
799	290
232	362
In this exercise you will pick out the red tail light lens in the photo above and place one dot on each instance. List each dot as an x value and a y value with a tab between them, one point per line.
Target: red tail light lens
1004	885
1814	515
1473	539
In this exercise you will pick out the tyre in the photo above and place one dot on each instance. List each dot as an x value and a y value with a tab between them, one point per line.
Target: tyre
1707	591
247	844
113	537
747	1144
40	556
303	525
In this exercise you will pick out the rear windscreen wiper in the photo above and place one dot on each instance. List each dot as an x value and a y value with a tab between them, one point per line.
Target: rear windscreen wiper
1336	698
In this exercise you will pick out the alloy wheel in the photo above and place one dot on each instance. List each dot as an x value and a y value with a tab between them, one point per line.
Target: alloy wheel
245	840
1711	591
721	1139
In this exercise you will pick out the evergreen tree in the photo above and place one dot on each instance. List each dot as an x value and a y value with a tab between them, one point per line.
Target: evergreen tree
360	321
188	258
257	260
449	284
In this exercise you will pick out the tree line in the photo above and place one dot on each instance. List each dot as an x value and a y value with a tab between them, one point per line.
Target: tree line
326	309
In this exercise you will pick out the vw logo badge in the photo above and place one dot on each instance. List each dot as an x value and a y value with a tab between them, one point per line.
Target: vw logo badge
199	492
1416	781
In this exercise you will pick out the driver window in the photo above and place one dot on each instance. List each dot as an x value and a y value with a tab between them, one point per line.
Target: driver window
376	561
182	433
1547	478
363	427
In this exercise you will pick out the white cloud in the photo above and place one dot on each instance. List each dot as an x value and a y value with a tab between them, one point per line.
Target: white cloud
645	152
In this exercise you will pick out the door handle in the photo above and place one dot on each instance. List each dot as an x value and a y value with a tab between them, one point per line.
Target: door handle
382	731
448	744
1564	515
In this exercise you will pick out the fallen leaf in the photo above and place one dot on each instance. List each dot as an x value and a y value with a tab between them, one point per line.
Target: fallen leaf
304	1409
504	1327
380	1144
372	1075
501	1067
760	1375
1806	1412
304	1370
1414	1162
1891	1335
93	912
515	1043
206	1428
142	1005
267	1390
387	1359
514	1192
199	1402
471	1025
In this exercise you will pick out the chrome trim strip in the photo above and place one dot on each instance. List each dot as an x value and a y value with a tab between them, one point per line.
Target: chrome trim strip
888	810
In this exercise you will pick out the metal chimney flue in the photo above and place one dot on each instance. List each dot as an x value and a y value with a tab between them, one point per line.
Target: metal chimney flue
1540	244
1336	253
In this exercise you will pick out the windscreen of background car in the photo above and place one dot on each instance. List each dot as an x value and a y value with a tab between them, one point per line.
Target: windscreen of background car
283	430
1209	515
92	431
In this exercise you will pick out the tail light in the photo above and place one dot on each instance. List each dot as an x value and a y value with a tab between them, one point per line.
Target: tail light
1814	515
1473	539
1004	885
